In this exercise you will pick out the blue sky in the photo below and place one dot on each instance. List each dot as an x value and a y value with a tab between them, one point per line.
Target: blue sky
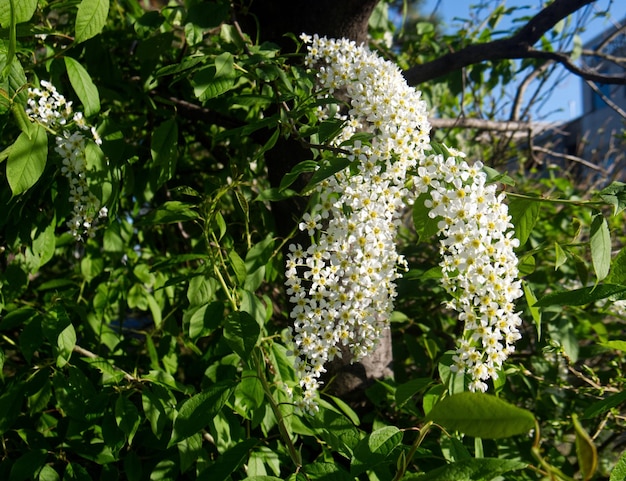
566	99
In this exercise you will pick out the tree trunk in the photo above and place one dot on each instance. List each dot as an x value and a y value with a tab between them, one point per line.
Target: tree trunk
334	19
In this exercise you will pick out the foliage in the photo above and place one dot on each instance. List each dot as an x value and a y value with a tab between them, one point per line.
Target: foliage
156	348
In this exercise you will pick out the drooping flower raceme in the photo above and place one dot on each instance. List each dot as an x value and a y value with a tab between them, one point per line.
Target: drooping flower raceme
479	266
342	285
48	107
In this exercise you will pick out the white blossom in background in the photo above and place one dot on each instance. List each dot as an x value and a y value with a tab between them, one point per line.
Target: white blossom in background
342	286
48	107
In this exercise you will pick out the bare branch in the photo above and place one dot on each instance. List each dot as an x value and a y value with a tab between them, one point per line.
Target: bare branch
573	158
585	74
520	45
482	124
606	99
85	353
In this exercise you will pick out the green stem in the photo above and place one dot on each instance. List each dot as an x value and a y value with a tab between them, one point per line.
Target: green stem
293	453
12	40
416	444
581	203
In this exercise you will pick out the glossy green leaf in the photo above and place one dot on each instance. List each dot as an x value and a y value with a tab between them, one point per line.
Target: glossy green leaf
481	415
600	243
196	412
84	87
477	469
90	19
242	332
524	214
375	449
27	159
585	450
582	296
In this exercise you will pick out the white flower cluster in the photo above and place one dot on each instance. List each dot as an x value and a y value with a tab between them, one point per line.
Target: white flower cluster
342	286
479	266
48	107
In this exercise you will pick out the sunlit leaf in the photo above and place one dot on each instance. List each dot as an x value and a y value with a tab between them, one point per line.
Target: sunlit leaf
585	450
90	19
84	87
481	415
27	160
478	469
582	296
600	244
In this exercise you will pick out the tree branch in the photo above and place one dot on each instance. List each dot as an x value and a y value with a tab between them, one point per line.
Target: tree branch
482	124
519	45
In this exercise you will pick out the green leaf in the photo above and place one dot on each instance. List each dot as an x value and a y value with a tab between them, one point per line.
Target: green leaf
27	465
618	345
582	296
242	332
617	273
24	10
249	391
477	469
524	214
84	87
228	462
127	417
27	159
425	226
300	168
169	213
65	343
196	412
600	244
164	150
560	256
585	450
208	84
407	390
534	310
615	195
238	266
375	449
619	471
90	19
203	320
604	405
481	415
48	473
331	168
